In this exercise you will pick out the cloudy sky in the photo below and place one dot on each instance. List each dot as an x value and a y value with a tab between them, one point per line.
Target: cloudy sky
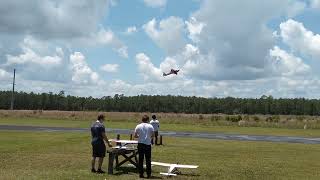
246	48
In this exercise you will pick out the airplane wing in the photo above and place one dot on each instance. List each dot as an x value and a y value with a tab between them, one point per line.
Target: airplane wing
127	141
124	141
168	174
160	164
185	166
119	147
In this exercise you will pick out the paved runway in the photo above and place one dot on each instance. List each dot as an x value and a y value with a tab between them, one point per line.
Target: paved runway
220	136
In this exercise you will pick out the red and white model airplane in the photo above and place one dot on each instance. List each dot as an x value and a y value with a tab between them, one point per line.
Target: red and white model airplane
172	71
173	168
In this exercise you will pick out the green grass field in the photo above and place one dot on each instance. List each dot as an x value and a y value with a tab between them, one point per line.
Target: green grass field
58	155
165	126
39	155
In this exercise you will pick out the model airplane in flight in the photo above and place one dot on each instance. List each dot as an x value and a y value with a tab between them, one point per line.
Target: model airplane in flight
172	71
173	168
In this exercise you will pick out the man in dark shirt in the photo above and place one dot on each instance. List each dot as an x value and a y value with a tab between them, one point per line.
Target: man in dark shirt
98	147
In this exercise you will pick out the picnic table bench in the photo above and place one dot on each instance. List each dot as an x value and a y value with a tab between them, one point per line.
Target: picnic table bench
129	153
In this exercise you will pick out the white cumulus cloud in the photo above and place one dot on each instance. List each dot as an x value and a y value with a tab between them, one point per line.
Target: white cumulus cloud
146	67
168	34
195	28
231	40
52	19
107	37
152	73
4	75
155	3
30	56
82	73
131	30
112	68
315	4
288	64
38	60
295	35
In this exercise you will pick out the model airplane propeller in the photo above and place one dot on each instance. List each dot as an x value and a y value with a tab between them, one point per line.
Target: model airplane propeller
172	71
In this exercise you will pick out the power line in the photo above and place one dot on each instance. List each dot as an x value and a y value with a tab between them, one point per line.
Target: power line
13	84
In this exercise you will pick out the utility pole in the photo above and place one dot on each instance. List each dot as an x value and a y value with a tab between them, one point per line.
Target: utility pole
13	84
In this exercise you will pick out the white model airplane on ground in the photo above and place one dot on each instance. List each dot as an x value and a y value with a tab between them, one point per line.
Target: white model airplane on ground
123	142
173	168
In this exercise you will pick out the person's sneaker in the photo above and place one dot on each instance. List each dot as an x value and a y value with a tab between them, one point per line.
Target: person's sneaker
93	170
100	171
141	176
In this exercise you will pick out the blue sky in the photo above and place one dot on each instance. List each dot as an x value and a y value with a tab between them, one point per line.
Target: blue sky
223	48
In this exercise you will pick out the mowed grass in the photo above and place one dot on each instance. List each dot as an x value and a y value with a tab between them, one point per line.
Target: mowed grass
53	155
165	126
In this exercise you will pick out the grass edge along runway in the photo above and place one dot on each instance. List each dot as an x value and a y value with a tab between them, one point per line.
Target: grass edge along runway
164	126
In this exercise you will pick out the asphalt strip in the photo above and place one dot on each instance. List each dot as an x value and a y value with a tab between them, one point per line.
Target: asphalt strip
221	136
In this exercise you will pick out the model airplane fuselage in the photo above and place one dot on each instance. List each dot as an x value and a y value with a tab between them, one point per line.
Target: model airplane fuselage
173	168
172	71
123	143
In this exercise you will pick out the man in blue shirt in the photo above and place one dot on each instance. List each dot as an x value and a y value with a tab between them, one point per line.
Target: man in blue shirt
98	147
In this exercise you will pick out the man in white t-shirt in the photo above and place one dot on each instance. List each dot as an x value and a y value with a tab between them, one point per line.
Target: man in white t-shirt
156	126
144	132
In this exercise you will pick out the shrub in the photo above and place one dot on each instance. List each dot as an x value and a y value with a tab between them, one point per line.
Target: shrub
246	118
256	118
234	118
72	115
283	121
300	118
242	123
272	119
216	118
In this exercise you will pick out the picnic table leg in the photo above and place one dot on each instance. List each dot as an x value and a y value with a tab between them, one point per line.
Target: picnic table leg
126	159
110	164
117	160
135	158
160	139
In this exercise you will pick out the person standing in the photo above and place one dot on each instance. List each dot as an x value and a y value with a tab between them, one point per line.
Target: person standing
144	132
156	126
98	134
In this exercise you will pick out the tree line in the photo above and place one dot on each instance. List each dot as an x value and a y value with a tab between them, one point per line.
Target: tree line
157	103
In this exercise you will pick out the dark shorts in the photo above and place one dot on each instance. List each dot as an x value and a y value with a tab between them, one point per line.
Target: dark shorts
98	150
156	133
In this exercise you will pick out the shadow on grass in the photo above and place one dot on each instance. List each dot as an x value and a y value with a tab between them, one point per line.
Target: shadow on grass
189	175
131	171
125	170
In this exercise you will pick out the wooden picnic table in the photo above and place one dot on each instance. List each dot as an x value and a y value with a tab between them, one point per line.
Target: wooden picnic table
129	154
